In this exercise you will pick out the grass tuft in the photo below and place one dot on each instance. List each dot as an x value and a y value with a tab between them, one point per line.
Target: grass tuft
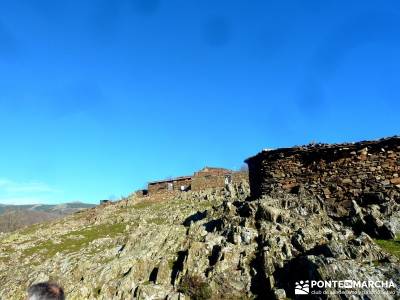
75	240
391	246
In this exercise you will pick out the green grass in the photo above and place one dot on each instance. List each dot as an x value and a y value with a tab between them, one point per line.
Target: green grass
76	240
7	251
391	246
4	259
145	204
195	287
171	263
158	221
30	229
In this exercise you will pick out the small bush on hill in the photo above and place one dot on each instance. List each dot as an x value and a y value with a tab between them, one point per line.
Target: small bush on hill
195	287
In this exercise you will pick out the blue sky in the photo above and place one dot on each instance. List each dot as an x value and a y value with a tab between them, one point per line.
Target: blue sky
97	97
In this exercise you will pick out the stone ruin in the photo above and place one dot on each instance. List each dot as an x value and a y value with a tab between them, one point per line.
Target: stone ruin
357	183
337	173
347	178
206	178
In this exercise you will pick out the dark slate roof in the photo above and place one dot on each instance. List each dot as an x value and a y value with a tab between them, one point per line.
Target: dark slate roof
328	148
171	179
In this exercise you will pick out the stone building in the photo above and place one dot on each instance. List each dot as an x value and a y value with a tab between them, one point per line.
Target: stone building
211	178
182	183
206	178
338	173
141	193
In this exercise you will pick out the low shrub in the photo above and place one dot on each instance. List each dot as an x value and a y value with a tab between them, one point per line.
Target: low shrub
195	287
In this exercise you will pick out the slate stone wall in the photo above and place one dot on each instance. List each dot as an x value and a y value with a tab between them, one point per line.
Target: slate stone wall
162	186
207	178
241	176
335	173
216	178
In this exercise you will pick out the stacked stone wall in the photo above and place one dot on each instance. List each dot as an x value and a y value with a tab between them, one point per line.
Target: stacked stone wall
241	176
208	178
334	173
157	187
208	182
217	179
162	186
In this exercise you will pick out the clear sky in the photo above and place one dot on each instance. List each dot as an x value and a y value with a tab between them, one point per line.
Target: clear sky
97	97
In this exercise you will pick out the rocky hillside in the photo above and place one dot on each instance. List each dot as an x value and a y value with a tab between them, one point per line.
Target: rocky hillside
13	217
208	245
63	208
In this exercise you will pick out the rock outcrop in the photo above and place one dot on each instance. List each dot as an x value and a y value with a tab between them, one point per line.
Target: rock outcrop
201	245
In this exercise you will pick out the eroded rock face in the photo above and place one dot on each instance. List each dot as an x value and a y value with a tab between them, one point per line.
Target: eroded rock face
211	244
376	216
261	248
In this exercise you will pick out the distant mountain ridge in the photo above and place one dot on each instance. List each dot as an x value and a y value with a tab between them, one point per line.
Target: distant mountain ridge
13	217
46	207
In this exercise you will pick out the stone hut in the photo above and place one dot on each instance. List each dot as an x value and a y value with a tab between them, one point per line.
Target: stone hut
211	178
142	193
170	185
336	173
206	178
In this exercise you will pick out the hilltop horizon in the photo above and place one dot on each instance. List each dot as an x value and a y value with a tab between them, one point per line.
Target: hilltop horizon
44	204
143	185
